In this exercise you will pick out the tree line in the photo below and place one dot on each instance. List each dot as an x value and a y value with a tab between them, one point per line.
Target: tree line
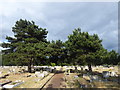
29	46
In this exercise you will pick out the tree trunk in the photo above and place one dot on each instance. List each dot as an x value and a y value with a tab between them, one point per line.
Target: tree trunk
89	67
81	68
29	67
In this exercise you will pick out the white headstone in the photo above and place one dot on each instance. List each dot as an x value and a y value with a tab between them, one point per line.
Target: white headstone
113	74
8	86
106	74
45	73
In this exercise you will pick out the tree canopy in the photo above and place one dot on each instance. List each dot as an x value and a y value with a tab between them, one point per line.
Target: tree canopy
82	47
29	46
26	44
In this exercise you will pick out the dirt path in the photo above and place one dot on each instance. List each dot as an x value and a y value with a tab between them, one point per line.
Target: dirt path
56	81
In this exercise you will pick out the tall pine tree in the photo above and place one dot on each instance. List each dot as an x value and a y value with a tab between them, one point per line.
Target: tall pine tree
22	47
82	47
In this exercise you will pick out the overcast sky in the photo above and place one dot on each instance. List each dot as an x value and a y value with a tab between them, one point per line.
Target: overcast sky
61	18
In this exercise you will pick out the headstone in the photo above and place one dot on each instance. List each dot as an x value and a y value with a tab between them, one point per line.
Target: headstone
113	74
94	77
45	73
106	74
50	70
53	70
75	76
85	76
41	75
13	84
38	74
8	86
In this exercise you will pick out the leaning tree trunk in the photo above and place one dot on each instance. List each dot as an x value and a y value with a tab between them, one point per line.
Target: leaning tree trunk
89	67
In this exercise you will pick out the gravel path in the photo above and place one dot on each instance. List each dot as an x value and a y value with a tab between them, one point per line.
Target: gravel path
56	81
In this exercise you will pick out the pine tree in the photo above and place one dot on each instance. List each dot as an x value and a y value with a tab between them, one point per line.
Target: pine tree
22	48
82	47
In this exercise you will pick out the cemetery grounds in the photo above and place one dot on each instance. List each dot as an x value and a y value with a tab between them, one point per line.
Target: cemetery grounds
60	77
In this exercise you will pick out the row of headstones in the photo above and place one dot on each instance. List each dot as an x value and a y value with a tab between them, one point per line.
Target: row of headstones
91	78
70	69
18	69
109	74
25	67
101	66
67	67
41	74
2	67
50	69
14	69
105	74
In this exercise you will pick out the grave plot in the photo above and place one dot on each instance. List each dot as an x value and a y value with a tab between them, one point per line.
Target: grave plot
96	81
4	82
70	80
13	84
69	77
84	79
31	80
26	81
37	80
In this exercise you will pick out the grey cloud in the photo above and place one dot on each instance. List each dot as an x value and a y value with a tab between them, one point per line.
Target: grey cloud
61	18
92	17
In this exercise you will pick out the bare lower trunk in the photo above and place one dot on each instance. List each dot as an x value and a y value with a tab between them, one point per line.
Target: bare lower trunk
89	67
81	68
29	67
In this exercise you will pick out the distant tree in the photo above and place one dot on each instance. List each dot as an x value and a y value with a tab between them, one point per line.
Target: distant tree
55	52
111	58
22	47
